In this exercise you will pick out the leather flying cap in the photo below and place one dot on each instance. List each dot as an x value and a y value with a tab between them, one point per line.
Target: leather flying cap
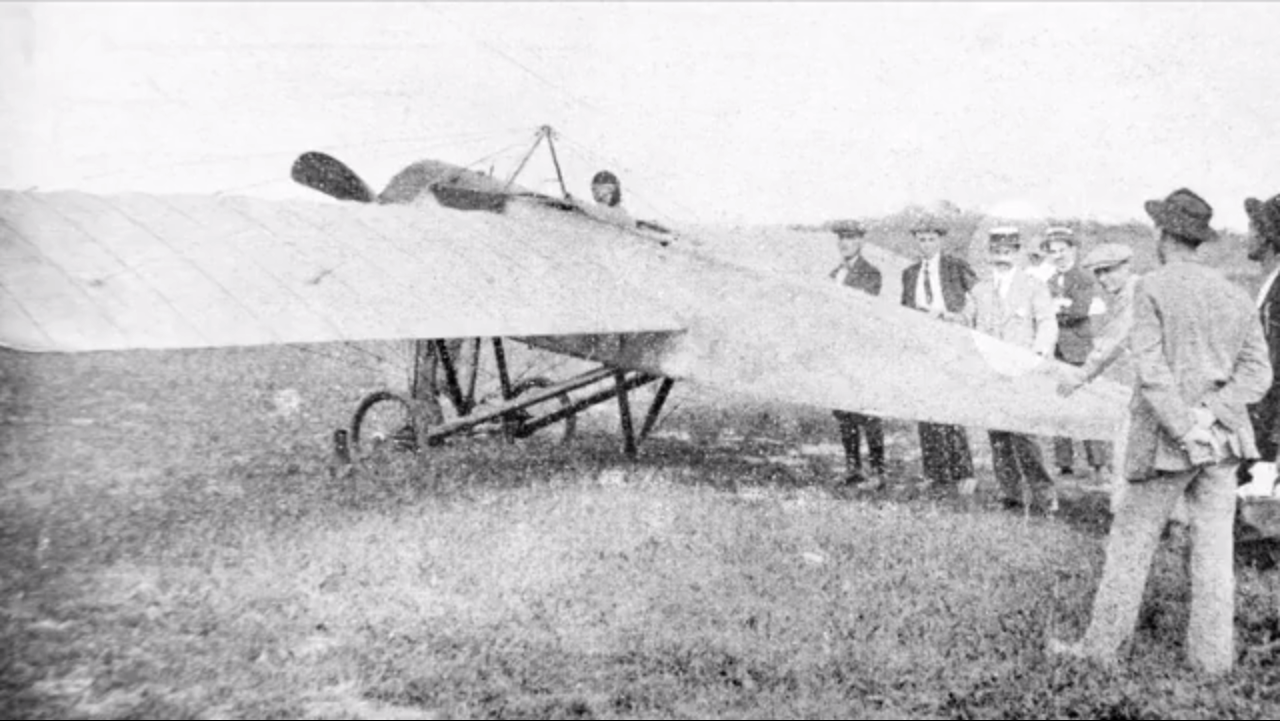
603	177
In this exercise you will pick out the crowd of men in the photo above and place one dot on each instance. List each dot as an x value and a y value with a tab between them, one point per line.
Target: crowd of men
1203	359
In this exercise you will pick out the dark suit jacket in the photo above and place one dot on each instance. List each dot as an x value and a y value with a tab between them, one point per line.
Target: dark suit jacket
957	279
1265	414
1075	330
862	276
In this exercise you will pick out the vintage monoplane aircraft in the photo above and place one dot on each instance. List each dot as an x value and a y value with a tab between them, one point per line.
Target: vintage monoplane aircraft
446	253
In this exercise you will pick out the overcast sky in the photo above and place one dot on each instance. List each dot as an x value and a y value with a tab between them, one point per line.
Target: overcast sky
751	113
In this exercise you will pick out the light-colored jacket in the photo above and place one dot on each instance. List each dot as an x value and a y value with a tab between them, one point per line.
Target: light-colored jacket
1112	339
1196	342
1025	317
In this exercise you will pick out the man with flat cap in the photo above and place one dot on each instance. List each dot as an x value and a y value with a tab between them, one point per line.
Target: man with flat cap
1264	248
856	272
938	284
1110	264
1016	308
1200	359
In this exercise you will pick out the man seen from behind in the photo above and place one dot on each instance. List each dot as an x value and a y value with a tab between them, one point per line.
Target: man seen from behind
1200	359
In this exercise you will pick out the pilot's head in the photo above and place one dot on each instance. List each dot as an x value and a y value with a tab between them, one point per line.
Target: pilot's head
606	189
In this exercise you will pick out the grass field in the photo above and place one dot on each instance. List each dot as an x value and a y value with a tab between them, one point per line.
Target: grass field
175	546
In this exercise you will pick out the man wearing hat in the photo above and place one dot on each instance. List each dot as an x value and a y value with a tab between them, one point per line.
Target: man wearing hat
1075	293
856	272
938	285
1110	265
1016	308
1264	248
1200	358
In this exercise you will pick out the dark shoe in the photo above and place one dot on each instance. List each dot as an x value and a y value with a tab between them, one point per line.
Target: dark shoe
1066	471
1011	504
853	478
859	482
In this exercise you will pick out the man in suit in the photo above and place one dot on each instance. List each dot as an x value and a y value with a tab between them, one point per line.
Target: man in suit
1016	308
1075	294
1200	358
1264	247
856	272
938	285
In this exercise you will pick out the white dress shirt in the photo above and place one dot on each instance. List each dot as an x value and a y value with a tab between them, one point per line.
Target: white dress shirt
934	266
1003	279
1266	287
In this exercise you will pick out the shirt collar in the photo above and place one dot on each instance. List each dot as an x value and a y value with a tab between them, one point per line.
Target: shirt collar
1267	284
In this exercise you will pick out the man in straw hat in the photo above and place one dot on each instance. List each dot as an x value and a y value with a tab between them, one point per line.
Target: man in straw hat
1016	308
938	285
1200	358
858	273
1075	293
1264	247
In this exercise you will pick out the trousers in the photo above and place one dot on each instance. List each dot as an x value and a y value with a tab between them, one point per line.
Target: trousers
854	425
1097	453
1017	459
944	453
1131	546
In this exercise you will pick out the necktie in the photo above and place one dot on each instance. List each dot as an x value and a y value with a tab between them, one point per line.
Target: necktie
928	287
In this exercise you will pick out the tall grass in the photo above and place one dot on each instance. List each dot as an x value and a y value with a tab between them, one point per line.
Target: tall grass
534	590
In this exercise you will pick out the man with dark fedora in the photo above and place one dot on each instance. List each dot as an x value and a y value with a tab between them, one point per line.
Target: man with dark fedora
1264	248
938	285
858	273
1200	358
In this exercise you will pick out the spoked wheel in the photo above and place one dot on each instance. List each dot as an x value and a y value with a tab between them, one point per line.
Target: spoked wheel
384	421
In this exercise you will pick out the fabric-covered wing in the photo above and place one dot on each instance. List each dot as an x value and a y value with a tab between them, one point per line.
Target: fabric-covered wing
81	272
781	337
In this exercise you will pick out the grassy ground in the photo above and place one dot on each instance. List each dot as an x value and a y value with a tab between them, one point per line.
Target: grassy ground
175	545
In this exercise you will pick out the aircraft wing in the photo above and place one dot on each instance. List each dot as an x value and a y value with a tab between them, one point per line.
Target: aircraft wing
83	272
80	272
803	339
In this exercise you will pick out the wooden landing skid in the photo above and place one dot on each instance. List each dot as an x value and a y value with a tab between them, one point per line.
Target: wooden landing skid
437	373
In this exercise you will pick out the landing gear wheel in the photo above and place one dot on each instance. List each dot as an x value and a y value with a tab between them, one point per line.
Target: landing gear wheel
570	423
383	420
